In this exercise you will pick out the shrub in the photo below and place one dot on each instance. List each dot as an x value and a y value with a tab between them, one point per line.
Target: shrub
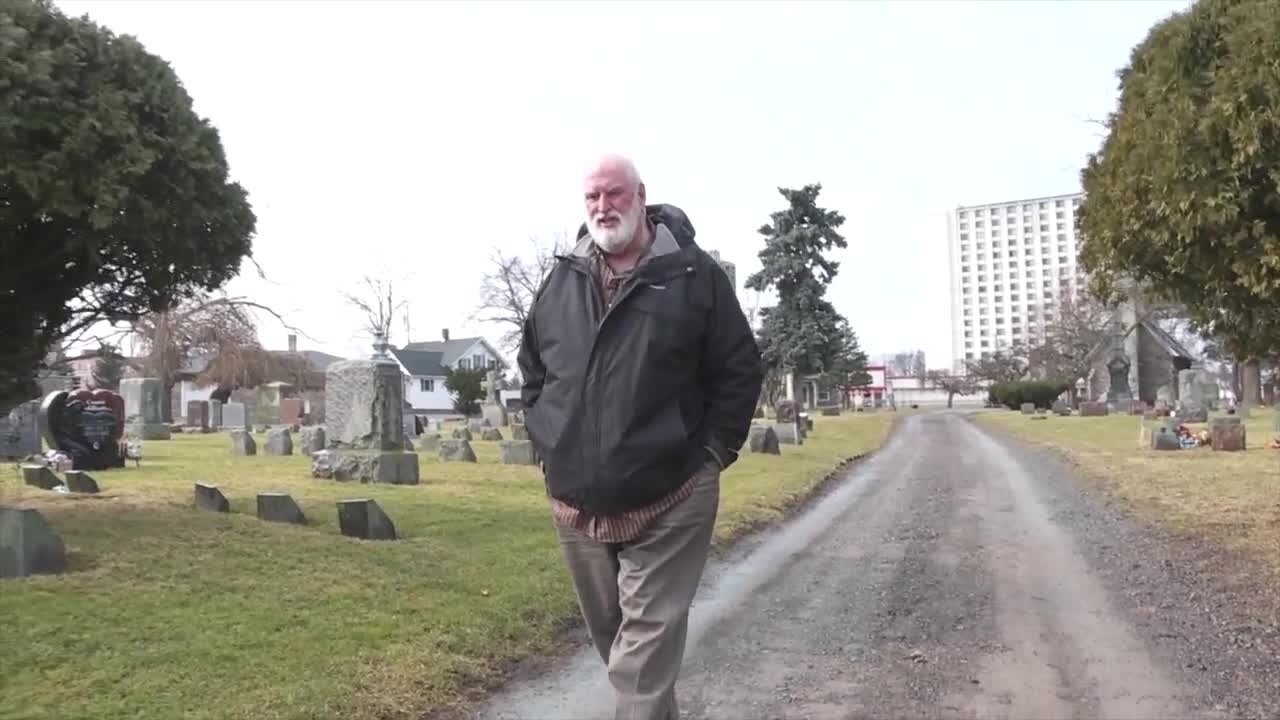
1041	393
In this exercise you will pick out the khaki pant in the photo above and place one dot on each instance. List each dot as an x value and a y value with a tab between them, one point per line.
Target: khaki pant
635	598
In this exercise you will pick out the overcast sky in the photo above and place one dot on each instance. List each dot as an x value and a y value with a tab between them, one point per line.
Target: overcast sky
409	139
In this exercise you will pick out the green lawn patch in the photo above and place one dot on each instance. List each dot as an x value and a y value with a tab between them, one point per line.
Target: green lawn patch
171	613
1230	496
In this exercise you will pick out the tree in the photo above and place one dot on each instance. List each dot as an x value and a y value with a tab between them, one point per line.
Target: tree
1003	365
379	308
902	364
109	368
114	196
848	372
1072	339
952	384
802	333
918	366
1181	196
508	286
467	388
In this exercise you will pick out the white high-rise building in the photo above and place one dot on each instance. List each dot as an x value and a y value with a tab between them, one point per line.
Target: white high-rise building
1011	263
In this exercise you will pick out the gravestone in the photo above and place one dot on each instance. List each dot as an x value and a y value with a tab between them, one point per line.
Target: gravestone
1165	439
517	452
211	499
1094	409
312	440
144	408
763	439
519	431
20	431
364	419
429	442
1118	391
215	414
39	475
242	443
410	426
1028	408
87	426
235	416
1227	434
365	467
831	412
28	545
291	410
79	481
1192	414
456	451
491	434
364	519
279	442
198	414
492	408
280	507
475	427
462	433
788	433
1061	408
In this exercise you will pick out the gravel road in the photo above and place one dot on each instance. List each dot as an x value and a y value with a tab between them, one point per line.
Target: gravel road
957	575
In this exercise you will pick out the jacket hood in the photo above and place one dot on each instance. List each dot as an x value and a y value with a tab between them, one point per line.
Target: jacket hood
670	215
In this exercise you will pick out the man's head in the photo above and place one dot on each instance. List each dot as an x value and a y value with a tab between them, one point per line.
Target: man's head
615	201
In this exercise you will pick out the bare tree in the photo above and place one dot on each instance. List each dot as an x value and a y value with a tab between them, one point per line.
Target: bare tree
217	326
1001	366
508	287
953	384
1072	339
379	306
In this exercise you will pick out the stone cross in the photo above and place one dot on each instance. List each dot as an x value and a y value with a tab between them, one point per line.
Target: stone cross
490	385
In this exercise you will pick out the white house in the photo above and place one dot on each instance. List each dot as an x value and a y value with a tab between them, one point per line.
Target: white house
424	363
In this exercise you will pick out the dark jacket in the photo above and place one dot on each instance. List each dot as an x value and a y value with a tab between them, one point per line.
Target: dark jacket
624	405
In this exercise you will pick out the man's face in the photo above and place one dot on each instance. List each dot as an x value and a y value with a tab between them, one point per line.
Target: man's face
614	207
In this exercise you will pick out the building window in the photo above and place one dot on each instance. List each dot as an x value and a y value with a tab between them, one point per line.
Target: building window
426	384
464	363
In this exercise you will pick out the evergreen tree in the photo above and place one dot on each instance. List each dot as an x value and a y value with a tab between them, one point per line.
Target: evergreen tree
109	368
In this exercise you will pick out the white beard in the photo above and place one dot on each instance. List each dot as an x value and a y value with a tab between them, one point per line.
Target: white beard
612	240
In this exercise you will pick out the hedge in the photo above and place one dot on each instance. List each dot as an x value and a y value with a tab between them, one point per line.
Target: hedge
1013	394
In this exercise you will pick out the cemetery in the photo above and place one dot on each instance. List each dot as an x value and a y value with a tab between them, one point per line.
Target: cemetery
369	570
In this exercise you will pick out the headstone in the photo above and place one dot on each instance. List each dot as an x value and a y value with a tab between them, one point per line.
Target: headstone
492	408
1193	414
429	442
1227	434
1093	409
280	507
491	434
144	408
291	410
410	426
87	426
519	431
79	481
364	411
28	545
279	442
475	427
1028	408
20	431
211	499
234	415
763	439
517	452
786	411
198	414
1165	439
788	433
215	414
1118	391
456	451
39	475
312	440
462	433
242	443
1060	407
831	412
362	518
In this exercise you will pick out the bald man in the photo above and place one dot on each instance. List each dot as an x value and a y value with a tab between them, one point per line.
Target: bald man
641	375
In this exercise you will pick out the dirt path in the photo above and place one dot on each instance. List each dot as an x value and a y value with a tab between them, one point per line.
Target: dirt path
951	576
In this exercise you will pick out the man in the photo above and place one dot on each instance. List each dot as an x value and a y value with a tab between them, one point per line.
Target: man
641	375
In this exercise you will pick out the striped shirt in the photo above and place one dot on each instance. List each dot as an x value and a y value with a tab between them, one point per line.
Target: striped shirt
623	527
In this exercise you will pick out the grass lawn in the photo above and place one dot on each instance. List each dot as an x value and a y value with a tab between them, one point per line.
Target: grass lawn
1230	496
169	613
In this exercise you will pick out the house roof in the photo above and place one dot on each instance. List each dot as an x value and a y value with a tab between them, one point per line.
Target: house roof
451	350
1165	340
420	362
